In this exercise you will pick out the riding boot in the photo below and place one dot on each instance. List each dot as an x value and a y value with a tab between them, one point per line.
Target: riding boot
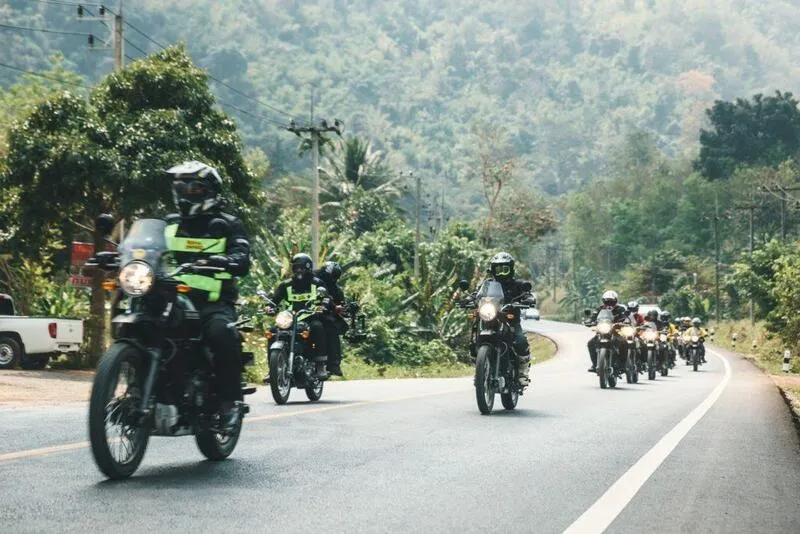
523	370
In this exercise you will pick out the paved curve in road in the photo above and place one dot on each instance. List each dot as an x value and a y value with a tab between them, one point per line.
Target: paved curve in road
712	451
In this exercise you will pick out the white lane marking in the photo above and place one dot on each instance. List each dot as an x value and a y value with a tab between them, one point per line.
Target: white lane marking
603	512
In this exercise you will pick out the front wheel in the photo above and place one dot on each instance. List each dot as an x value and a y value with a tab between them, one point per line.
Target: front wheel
484	389
695	359
217	446
604	370
279	380
631	373
651	364
118	434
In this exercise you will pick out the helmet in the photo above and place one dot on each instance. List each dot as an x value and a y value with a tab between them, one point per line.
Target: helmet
633	306
502	266
196	187
652	316
301	265
666	316
333	270
696	321
686	320
610	299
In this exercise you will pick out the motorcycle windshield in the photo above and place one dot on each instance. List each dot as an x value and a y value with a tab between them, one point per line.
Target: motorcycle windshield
491	290
145	242
605	316
651	325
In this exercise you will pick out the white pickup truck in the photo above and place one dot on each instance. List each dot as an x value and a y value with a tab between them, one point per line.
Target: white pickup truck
30	341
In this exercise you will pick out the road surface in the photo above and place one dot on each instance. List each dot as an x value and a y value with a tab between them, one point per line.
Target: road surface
712	451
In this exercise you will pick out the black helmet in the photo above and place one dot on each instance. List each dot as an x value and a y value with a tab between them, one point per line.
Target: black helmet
610	299
196	187
633	306
652	316
333	270
666	316
301	265
502	266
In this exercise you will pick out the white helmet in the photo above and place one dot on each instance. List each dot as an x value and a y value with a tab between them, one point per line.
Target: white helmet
610	299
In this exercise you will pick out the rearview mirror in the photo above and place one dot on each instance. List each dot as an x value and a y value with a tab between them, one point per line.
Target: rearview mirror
587	312
218	228
463	285
526	286
104	224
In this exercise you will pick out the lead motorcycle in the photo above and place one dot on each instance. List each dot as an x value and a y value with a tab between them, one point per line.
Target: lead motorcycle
608	366
492	344
157	378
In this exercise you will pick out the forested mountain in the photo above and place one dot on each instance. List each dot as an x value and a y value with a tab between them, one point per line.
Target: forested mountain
566	79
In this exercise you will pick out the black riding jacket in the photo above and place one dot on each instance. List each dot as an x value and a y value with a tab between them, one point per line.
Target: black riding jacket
302	286
237	249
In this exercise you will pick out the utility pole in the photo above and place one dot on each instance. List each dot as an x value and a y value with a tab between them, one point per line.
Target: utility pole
314	133
750	207
119	42
117	34
716	257
419	216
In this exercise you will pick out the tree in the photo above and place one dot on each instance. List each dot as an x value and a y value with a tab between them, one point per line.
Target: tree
761	132
72	159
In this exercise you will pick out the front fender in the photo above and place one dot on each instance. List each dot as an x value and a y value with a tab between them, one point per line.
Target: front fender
278	344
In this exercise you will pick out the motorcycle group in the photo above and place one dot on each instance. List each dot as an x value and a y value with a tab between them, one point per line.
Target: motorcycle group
176	362
627	343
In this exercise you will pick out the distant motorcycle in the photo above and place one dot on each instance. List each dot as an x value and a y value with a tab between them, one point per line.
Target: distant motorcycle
692	345
492	336
631	363
607	352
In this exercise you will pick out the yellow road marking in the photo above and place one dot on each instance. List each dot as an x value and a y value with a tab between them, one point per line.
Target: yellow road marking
31	453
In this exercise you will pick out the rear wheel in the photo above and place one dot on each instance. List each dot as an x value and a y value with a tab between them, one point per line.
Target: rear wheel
279	380
10	352
651	364
509	400
117	434
484	390
217	446
314	391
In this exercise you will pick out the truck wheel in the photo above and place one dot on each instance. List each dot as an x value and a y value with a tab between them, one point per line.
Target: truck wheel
10	352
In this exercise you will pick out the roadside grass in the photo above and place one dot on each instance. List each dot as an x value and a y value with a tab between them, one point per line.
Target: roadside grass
542	349
767	355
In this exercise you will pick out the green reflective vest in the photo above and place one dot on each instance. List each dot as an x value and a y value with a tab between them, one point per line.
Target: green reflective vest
291	296
212	284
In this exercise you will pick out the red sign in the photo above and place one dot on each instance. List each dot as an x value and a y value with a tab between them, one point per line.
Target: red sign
77	280
81	252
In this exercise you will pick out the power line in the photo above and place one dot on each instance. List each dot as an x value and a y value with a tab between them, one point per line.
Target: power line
40	75
44	30
211	77
135	47
72	4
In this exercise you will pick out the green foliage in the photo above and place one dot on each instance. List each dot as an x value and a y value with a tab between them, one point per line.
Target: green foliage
754	280
684	301
584	290
764	132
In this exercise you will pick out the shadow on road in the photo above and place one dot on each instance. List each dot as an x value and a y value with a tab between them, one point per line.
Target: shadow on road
189	475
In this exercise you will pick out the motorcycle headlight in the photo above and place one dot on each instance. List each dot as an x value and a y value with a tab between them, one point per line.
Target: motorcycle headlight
284	320
136	278
664	337
650	335
488	311
695	339
627	331
604	328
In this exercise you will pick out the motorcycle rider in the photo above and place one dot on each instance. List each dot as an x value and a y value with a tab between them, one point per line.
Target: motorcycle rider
334	323
501	269
633	313
197	193
299	290
671	330
697	326
610	302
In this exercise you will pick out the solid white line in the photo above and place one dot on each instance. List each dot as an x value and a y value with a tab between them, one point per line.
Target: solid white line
603	512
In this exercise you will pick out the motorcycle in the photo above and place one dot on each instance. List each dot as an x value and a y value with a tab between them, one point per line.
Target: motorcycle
692	342
607	353
631	362
653	348
157	378
667	349
290	350
492	344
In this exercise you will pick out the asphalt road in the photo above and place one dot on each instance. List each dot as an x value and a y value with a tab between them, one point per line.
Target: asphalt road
712	451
